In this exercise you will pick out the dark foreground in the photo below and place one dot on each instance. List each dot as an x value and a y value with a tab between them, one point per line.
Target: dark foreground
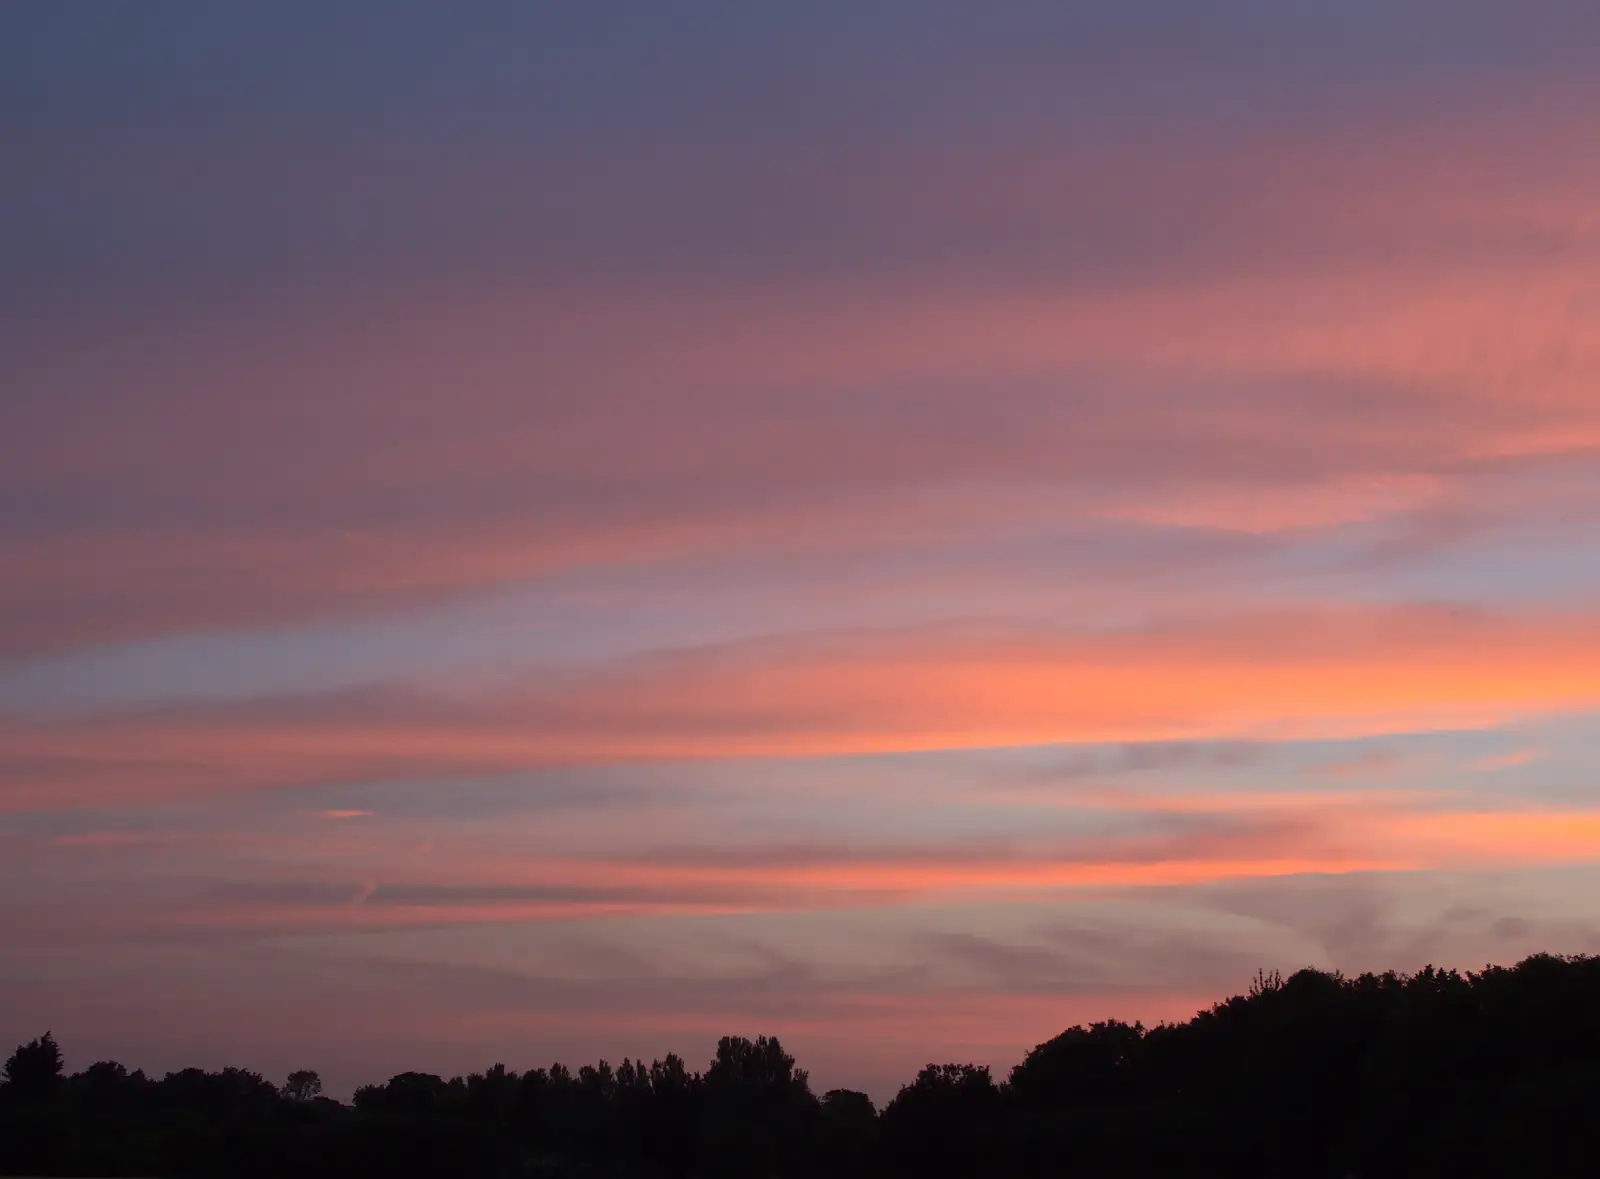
1495	1073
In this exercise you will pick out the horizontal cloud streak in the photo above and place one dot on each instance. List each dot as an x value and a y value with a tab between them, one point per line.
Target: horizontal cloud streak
1208	370
1290	673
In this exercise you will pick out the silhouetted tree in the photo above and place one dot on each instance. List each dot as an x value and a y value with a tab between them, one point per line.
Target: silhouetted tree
757	1109
1384	1075
33	1071
946	1122
847	1138
302	1085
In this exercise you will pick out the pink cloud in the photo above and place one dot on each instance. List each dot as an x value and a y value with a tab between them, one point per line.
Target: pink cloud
1340	326
1288	673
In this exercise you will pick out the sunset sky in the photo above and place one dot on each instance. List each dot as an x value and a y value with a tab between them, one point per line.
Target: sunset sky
559	531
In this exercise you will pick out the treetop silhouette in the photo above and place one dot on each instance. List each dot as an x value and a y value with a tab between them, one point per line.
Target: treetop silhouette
1480	1074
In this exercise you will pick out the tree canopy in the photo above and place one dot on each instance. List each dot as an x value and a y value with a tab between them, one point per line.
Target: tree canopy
1476	1074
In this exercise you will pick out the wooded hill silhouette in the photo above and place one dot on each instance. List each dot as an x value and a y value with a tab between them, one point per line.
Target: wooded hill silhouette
1479	1074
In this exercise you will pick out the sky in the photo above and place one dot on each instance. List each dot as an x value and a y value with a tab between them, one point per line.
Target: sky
566	530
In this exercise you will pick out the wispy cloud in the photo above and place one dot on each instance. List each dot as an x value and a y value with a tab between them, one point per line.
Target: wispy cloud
1322	672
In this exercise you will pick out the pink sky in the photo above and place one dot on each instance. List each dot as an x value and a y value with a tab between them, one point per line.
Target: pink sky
905	546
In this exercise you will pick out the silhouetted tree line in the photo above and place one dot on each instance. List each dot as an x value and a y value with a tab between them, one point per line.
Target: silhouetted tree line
1480	1074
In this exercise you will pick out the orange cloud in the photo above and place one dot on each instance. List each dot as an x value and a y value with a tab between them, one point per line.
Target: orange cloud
474	887
1290	673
